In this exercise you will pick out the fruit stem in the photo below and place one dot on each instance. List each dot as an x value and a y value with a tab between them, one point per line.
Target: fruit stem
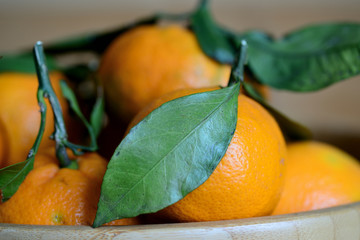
46	90
237	71
43	108
203	4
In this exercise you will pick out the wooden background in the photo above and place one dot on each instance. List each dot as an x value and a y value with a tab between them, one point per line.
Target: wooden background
332	114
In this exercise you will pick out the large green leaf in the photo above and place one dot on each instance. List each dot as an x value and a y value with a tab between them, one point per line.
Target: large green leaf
307	59
168	154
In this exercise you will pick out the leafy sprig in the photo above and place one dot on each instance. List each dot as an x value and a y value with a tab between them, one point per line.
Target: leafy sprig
12	176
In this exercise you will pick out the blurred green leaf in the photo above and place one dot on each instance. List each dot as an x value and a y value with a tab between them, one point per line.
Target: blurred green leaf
97	115
71	98
308	59
23	63
96	42
212	40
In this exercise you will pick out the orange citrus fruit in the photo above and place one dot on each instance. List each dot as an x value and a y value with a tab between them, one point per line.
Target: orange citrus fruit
318	175
3	144
51	195
249	178
149	61
19	113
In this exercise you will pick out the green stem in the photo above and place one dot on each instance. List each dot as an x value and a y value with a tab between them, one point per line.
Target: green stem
237	71
60	134
203	4
43	108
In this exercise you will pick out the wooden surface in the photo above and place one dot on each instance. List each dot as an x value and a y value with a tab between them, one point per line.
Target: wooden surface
341	222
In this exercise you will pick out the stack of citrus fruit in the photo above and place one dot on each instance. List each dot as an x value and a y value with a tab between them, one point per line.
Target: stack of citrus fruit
58	196
142	69
147	62
49	194
150	61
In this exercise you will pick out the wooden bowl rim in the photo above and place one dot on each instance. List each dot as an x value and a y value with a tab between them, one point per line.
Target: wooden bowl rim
316	220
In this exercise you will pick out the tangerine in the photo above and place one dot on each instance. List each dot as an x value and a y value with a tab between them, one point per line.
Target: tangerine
149	61
318	175
249	178
51	195
3	144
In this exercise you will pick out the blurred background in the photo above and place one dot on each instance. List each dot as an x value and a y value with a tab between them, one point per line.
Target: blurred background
333	114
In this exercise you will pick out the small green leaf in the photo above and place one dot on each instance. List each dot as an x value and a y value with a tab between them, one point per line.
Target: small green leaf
71	98
12	176
308	59
73	165
168	154
291	129
212	40
97	115
23	63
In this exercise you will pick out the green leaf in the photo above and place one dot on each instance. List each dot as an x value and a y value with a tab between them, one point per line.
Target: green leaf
212	40
308	59
71	98
291	129
23	63
12	176
99	41
168	154
97	115
96	42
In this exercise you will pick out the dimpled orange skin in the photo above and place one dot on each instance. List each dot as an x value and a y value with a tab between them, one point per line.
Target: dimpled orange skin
318	175
51	195
248	180
149	61
19	113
